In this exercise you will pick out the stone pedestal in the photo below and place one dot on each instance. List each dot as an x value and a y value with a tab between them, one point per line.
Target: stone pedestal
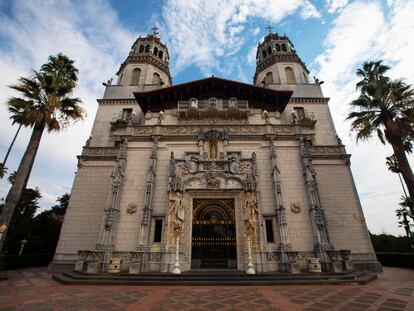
314	265
337	267
348	265
80	265
115	265
294	268
135	268
93	267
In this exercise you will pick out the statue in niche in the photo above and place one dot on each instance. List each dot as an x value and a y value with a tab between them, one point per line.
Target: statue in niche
250	208
177	210
213	149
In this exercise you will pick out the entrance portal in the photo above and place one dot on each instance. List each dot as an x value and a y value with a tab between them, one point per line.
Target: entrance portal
214	234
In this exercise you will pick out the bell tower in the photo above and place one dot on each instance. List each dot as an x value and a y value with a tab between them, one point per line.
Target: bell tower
278	63
146	65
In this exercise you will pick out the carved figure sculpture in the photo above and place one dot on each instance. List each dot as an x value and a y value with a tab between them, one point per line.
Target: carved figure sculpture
250	207
177	210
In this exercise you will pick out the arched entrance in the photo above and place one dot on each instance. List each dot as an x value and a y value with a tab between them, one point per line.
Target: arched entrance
213	234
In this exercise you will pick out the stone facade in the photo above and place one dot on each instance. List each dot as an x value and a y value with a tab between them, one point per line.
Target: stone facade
270	150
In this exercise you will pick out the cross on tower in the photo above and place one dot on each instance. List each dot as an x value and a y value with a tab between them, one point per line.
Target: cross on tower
154	29
269	28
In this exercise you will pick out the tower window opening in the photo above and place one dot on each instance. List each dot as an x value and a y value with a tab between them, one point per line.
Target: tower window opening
232	102
126	114
212	103
156	78
194	103
269	50
160	54
269	231
278	47
141	49
147	48
300	112
136	73
284	47
155	50
264	54
158	231
269	78
290	75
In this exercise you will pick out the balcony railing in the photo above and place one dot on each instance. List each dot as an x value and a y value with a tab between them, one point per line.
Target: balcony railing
215	108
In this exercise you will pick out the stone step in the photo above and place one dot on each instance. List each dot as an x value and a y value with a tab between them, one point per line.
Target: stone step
196	278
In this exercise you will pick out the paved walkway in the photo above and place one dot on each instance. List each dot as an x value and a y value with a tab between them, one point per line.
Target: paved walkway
34	289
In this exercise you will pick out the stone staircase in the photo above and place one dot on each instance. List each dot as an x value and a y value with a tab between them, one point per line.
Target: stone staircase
215	277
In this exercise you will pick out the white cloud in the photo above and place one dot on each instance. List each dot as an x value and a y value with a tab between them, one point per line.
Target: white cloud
89	33
201	31
335	5
363	31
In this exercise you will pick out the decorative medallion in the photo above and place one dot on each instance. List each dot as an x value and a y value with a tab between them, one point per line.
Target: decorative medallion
192	167
234	167
295	207
132	208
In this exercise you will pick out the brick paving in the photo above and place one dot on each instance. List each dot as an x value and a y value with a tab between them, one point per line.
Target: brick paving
34	290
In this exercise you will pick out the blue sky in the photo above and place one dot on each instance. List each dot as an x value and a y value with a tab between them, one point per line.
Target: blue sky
206	37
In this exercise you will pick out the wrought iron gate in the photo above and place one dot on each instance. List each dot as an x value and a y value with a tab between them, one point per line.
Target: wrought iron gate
213	234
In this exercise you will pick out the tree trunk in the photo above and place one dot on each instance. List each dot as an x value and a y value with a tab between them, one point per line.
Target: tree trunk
405	169
21	177
11	145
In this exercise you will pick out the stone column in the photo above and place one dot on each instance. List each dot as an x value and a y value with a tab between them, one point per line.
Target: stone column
317	214
144	241
280	209
106	237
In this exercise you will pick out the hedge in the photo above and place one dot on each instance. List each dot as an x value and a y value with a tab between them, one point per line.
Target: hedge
11	262
402	260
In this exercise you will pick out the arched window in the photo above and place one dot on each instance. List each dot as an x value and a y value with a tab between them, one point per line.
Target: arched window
160	54
156	78
194	103
212	103
284	47
269	50
232	102
278	47
120	78
141	48
147	47
269	78
136	73
290	75
264	53
155	50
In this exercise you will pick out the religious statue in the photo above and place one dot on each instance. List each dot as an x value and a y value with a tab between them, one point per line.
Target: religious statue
213	150
177	210
250	207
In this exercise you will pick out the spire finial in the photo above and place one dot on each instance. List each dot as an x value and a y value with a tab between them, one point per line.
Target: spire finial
155	30
269	28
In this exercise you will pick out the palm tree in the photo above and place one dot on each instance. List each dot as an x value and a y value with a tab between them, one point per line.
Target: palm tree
385	107
3	168
404	213
392	165
46	103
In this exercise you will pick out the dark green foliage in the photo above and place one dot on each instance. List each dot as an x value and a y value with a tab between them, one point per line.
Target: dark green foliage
402	260
390	243
41	231
10	262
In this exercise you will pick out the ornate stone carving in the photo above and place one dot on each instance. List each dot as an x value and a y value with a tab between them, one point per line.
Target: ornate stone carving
273	257
131	208
105	241
177	211
251	211
295	207
155	257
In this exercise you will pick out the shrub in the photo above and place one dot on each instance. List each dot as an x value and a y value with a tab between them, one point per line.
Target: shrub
402	260
11	262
